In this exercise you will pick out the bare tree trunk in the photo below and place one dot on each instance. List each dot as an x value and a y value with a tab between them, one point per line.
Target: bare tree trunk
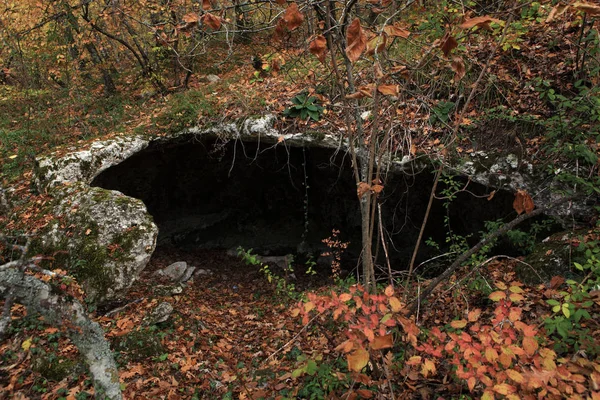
87	335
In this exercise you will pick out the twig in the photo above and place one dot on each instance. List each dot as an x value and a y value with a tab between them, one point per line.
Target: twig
118	309
458	262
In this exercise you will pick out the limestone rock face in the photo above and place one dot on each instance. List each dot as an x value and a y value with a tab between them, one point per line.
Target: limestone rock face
86	164
101	237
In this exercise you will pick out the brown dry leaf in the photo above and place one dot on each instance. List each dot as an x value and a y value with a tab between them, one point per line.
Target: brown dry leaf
358	359
458	66
593	10
318	47
191	18
523	202
292	17
393	30
378	71
447	44
363	188
482	22
491	196
355	95
281	2
206	5
388	90
212	21
356	41
556	11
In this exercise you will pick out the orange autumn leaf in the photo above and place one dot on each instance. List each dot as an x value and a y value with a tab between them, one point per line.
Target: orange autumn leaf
382	342
389	291
356	41
318	47
458	324
523	202
362	188
345	297
206	5
530	345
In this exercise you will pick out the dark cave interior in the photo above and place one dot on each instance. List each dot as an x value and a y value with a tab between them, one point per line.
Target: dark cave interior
276	199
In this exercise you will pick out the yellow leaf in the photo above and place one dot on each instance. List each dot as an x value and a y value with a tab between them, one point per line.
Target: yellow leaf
501	285
428	367
26	344
458	324
395	304
295	312
309	306
358	359
515	375
516	297
516	289
491	354
504	388
497	296
13	157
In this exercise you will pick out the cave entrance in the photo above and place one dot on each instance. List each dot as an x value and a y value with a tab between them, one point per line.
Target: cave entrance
220	194
224	194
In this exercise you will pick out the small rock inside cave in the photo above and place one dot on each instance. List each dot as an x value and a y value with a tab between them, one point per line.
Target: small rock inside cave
277	199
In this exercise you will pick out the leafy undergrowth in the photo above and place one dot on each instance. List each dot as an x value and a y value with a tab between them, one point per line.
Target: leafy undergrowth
232	336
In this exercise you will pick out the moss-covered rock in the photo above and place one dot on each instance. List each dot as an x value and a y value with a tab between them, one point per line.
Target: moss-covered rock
54	367
102	237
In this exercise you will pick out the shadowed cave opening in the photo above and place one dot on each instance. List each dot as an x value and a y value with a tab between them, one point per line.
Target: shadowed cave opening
278	199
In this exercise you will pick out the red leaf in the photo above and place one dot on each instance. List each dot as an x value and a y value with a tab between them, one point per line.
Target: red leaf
356	41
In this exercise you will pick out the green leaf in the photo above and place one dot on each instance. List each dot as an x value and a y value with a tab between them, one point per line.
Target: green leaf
566	310
578	266
552	302
297	372
311	367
